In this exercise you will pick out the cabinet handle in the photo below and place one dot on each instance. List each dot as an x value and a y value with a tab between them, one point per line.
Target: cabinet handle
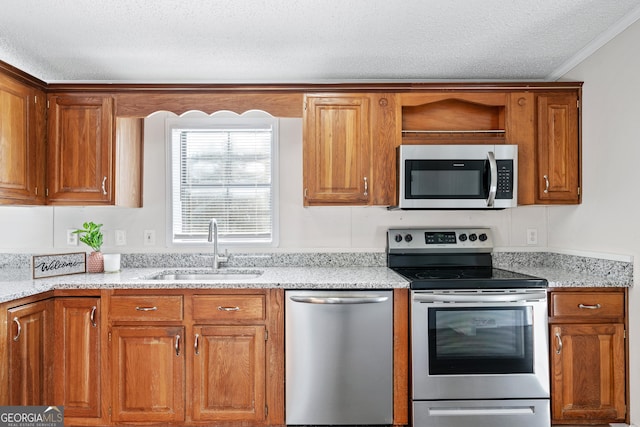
146	308
177	345
220	308
546	184
589	307
17	322
366	187
196	344
306	193
92	316
559	338
104	183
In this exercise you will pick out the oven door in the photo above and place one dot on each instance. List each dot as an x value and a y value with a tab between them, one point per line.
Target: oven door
484	344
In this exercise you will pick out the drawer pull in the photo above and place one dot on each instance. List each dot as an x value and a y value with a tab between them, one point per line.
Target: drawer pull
220	308
559	338
589	307
17	322
146	308
92	316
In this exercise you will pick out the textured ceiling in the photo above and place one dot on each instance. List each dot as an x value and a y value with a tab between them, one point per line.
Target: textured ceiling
287	41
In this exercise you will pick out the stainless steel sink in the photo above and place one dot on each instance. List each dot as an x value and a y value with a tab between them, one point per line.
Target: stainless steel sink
209	277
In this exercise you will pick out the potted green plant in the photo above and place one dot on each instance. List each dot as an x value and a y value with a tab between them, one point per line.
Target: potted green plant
91	236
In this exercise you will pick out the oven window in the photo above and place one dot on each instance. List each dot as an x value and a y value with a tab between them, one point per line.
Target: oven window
445	179
480	340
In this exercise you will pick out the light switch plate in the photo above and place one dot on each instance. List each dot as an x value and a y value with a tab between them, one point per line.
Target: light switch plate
121	237
72	238
149	237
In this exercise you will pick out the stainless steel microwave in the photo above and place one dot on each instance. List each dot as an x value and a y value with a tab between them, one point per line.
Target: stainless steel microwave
457	176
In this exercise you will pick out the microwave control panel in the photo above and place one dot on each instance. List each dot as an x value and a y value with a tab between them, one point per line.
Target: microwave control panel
505	179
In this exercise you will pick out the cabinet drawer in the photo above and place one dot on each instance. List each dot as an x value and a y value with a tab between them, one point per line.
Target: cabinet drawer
587	304
146	307
229	307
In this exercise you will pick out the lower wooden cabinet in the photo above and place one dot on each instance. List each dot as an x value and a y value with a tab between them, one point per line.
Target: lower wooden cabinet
588	362
229	373
30	364
209	357
77	355
147	373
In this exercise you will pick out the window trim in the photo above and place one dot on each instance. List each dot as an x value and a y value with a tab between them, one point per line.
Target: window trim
227	119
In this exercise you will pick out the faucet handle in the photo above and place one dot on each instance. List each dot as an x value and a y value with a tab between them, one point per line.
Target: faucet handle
225	257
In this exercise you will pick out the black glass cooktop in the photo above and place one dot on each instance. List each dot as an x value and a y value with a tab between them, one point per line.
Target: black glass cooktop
468	278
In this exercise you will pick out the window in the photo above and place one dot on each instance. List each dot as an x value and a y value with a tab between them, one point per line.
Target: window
223	168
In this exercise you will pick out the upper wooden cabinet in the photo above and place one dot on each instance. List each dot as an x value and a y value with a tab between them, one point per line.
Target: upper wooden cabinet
93	159
558	144
349	149
336	149
22	139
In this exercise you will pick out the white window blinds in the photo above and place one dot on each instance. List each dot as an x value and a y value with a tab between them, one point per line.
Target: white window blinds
223	170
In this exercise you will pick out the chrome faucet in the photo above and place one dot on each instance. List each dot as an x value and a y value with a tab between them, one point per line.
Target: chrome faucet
213	237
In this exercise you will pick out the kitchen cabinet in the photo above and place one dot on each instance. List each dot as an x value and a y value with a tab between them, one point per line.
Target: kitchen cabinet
22	143
588	356
148	373
77	357
30	349
349	143
93	158
336	149
208	356
558	148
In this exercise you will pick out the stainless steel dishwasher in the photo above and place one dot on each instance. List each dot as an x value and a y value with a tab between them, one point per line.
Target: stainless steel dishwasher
339	357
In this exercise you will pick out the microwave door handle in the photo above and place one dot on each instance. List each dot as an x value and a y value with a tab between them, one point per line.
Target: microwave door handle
493	173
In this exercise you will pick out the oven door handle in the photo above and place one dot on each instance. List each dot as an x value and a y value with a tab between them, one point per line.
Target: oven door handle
481	298
339	300
493	173
443	412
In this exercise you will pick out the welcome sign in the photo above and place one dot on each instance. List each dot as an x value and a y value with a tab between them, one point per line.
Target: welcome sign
59	265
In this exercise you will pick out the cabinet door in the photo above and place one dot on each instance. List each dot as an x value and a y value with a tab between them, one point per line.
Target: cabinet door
588	373
78	385
148	373
80	157
558	149
229	373
21	143
30	350
337	150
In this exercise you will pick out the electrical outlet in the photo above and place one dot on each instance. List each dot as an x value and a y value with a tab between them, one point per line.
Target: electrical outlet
72	238
149	237
121	237
532	236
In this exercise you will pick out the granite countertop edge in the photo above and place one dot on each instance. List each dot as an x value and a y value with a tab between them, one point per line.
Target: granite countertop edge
17	283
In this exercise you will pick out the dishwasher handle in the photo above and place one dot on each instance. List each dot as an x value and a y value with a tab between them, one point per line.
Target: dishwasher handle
339	300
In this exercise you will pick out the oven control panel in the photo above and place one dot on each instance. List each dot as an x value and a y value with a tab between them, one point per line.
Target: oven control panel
476	239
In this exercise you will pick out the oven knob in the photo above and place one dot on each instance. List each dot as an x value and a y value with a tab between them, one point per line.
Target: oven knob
398	238
473	237
483	237
408	238
462	237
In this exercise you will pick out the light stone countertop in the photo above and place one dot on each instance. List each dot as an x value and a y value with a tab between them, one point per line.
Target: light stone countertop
315	271
17	283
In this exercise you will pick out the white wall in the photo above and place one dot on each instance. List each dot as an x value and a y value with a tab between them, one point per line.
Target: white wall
43	229
607	220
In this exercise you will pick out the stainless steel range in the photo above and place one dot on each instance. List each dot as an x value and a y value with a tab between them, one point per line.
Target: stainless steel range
479	340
